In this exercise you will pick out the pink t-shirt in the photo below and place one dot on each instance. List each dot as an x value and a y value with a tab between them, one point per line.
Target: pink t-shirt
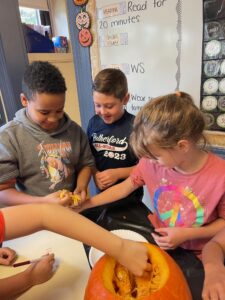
184	200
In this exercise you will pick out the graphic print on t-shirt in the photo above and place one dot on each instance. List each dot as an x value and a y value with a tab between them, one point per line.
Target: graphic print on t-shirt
176	205
54	161
110	145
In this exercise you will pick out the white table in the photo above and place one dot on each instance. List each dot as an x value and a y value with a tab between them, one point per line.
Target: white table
70	279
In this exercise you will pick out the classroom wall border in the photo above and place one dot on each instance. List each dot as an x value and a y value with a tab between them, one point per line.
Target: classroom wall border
82	66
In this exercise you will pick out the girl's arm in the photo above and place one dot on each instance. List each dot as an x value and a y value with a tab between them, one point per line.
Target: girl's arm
26	219
114	193
213	255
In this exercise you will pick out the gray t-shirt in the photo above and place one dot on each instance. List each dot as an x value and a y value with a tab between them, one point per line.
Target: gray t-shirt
40	161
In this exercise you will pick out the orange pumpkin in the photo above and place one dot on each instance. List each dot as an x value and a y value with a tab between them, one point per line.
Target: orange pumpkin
109	280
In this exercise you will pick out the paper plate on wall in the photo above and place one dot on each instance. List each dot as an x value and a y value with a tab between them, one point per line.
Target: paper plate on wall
95	254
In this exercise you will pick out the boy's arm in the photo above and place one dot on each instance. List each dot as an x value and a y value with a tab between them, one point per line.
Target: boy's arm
10	196
213	255
174	236
86	164
108	177
83	181
116	192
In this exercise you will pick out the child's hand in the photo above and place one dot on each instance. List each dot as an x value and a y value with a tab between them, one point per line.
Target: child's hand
57	198
169	237
134	252
42	270
82	206
214	284
82	192
99	184
7	256
107	178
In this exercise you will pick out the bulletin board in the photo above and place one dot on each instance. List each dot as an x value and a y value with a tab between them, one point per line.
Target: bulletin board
213	64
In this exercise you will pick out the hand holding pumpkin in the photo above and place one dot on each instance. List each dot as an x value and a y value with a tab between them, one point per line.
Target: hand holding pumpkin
169	237
72	199
58	198
134	252
81	192
165	280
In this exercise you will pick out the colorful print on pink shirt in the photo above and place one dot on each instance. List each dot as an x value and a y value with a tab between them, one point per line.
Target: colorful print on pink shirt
174	214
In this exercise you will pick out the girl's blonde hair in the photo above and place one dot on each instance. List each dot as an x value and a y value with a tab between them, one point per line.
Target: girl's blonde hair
166	120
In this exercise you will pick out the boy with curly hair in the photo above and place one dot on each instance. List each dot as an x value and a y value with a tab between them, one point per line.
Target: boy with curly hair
42	150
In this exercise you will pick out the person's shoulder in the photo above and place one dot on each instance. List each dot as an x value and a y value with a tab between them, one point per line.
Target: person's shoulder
128	117
9	127
216	157
74	126
143	161
216	161
94	119
95	123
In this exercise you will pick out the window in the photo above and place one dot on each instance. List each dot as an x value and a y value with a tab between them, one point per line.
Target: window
38	20
30	15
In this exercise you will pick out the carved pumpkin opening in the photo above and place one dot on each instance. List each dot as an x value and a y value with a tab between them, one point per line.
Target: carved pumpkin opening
109	280
122	283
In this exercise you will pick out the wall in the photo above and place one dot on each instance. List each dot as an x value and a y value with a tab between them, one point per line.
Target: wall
40	4
13	54
57	9
64	61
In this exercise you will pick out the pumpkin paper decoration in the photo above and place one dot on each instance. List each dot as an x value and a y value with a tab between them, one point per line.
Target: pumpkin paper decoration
80	2
82	20
85	37
111	281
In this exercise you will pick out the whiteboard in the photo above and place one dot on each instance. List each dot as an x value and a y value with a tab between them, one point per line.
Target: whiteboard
157	43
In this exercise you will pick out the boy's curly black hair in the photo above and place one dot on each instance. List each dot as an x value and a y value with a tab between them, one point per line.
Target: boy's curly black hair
42	77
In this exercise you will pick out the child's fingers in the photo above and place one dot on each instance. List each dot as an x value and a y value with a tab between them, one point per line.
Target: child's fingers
213	295
49	256
148	268
162	242
161	231
160	239
7	256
